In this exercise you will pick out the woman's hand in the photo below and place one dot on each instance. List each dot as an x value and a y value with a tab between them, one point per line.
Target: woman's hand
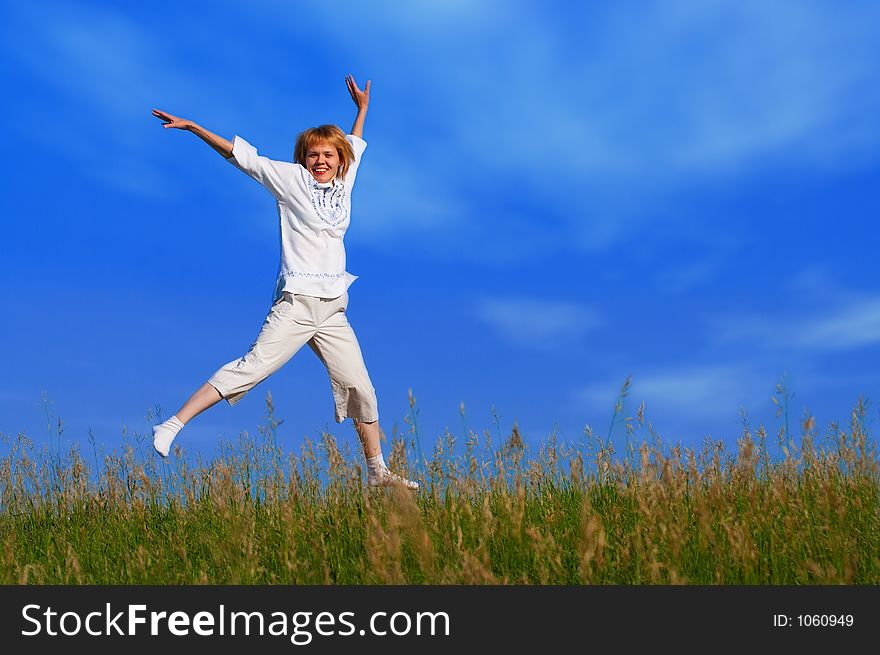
361	98
173	121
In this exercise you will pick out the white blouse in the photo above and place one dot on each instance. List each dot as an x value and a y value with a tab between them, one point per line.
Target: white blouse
313	219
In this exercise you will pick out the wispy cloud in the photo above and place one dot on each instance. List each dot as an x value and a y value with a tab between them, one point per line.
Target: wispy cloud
691	390
537	323
849	326
100	70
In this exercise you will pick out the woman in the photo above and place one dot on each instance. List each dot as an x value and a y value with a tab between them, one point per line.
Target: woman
313	197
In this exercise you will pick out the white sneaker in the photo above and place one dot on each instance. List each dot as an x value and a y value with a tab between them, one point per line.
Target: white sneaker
385	478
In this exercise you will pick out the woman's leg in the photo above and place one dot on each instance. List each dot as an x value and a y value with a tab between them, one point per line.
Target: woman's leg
206	396
369	436
337	347
283	333
378	474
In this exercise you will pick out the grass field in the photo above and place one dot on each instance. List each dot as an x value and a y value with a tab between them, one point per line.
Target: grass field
489	512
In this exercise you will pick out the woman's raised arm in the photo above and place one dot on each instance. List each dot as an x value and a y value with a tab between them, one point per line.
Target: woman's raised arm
218	143
362	100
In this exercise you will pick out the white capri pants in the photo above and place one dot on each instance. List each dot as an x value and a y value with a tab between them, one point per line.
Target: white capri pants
295	320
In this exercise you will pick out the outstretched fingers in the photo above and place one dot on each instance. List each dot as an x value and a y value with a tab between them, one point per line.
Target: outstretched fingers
170	121
360	97
161	115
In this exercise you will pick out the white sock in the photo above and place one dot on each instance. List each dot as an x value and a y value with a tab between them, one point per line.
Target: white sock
164	433
375	465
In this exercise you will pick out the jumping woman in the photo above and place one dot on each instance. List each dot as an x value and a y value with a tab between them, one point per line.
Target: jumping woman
313	197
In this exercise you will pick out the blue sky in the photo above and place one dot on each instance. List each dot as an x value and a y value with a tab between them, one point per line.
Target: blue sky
553	198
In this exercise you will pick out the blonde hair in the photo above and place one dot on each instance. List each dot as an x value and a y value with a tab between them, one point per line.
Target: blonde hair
324	134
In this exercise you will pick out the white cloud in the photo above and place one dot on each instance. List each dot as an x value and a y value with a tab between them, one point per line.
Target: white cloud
101	72
848	326
537	323
100	64
694	390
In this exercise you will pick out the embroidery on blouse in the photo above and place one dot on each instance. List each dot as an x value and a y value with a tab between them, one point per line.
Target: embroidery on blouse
329	202
325	276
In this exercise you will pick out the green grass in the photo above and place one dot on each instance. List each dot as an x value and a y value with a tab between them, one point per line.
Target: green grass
487	514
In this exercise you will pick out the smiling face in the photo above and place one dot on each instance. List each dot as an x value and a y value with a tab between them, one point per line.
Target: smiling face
322	161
